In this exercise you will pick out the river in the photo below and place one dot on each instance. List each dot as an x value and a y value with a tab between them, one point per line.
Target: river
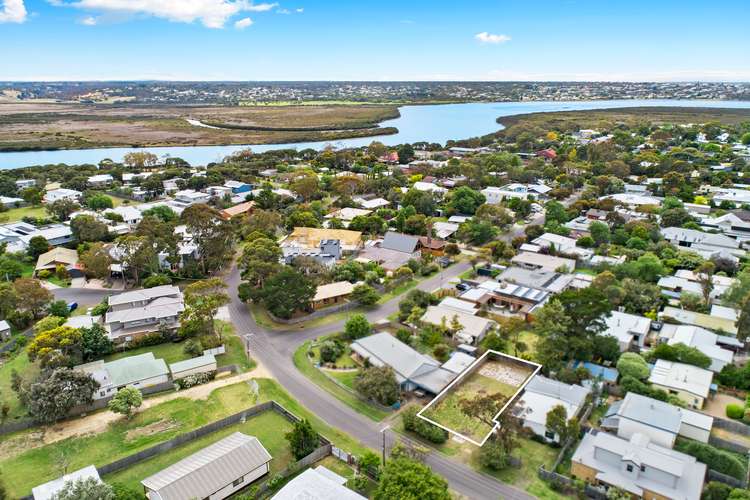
435	123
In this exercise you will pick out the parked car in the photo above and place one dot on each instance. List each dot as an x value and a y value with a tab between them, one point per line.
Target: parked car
462	287
72	306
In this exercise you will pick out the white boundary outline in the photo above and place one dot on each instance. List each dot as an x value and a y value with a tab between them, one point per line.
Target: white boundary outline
470	370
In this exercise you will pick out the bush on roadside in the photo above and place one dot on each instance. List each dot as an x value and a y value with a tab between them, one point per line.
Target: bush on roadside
735	411
330	350
193	380
413	423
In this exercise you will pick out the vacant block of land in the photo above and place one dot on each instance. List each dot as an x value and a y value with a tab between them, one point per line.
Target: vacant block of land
493	373
37	126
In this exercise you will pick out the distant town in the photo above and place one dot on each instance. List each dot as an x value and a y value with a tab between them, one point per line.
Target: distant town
239	93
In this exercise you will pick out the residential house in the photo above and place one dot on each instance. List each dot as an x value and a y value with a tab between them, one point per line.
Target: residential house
214	472
238	187
346	215
100	180
429	187
704	340
549	281
394	251
25	183
638	466
326	255
140	312
188	197
193	366
707	245
139	371
472	328
504	298
633	200
331	294
630	330
538	261
237	210
372	204
495	195
11	202
432	246
414	371
721	325
444	230
5	332
131	216
59	256
17	235
62	194
659	420
540	396
579	226
690	383
720	284
310	238
319	483
49	490
562	244
459	305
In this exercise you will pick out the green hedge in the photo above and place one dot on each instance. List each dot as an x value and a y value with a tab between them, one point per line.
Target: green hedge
716	459
421	427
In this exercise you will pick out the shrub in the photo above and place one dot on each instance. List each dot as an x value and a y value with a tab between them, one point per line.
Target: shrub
719	460
441	352
193	348
330	351
633	365
404	335
735	411
421	427
157	280
149	339
193	380
44	274
716	491
100	308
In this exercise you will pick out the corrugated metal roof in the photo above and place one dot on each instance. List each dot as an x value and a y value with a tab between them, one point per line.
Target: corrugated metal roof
209	469
189	364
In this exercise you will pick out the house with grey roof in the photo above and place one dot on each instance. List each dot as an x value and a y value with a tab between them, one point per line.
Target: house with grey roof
638	466
704	340
691	384
216	472
541	395
413	369
319	483
400	242
140	371
549	281
472	328
394	251
140	312
659	420
630	330
48	490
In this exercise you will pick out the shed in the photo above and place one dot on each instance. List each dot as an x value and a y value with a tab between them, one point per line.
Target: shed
193	366
48	490
217	471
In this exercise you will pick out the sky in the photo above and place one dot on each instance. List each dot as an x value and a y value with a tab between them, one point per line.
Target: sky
563	40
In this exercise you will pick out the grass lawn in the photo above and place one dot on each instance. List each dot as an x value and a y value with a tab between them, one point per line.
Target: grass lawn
27	370
271	390
269	427
57	281
346	378
533	455
448	413
16	214
264	319
343	361
305	365
154	425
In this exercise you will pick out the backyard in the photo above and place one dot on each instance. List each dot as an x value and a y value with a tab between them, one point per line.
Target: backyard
494	376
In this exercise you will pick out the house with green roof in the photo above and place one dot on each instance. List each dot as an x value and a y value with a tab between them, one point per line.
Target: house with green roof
139	371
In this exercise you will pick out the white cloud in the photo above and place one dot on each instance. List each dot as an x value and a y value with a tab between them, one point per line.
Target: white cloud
211	13
243	23
13	11
300	10
485	37
89	21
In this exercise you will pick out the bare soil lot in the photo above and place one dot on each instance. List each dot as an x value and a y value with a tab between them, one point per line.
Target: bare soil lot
34	126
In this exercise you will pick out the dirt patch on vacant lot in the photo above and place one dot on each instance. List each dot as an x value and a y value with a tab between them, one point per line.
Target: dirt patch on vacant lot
151	429
20	443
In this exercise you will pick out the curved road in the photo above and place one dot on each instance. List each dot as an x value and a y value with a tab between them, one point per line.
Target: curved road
274	349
